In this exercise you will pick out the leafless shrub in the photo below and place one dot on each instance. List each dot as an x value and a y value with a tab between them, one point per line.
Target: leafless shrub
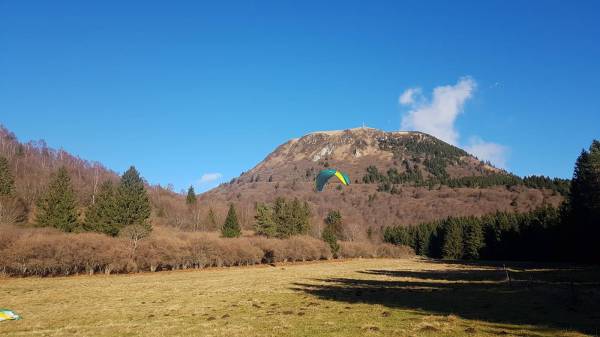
370	250
160	252
389	250
46	252
49	252
12	210
357	249
273	249
304	248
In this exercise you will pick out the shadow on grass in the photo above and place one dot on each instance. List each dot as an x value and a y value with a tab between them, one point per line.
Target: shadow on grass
562	298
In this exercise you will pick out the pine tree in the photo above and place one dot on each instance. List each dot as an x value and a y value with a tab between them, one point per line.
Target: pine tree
102	216
265	223
473	238
453	240
584	202
57	207
132	204
423	238
7	181
12	209
299	217
306	215
190	199
334	221
231	227
333	231
283	217
328	236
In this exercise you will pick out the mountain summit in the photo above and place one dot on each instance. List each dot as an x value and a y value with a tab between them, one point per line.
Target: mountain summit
353	150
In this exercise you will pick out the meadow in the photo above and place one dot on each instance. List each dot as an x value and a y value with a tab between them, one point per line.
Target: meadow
360	297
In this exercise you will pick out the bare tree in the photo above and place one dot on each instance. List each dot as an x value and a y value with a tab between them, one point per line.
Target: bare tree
134	233
12	210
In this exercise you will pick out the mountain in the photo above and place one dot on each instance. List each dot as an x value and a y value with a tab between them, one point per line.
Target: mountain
398	178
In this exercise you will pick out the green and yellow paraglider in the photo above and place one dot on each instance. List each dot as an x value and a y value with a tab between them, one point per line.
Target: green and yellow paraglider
8	315
324	175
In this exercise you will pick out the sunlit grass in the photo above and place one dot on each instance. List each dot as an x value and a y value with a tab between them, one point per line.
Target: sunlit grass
286	300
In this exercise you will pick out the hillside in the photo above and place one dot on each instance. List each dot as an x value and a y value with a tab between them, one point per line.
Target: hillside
33	163
397	178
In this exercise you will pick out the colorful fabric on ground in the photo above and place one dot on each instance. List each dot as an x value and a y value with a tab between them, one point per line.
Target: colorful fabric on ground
8	315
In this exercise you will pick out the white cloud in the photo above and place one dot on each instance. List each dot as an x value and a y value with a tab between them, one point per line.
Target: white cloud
437	116
409	96
495	153
209	178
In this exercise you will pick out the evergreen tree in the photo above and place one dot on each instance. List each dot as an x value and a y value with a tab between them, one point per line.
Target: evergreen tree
12	209
584	203
453	240
281	217
328	236
102	215
333	231
299	217
334	221
7	181
397	235
57	207
423	238
473	238
133	205
231	227
265	223
190	199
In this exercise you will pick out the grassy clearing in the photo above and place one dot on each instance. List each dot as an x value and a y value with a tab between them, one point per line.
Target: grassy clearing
369	297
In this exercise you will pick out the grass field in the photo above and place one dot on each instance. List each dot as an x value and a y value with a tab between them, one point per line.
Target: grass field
369	297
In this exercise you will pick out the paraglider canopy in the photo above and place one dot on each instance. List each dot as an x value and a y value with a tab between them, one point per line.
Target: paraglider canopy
8	315
324	175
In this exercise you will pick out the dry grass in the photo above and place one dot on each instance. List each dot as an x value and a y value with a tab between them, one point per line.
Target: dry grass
365	297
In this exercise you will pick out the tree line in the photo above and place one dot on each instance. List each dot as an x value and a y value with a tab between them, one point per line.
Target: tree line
569	232
532	236
389	181
116	209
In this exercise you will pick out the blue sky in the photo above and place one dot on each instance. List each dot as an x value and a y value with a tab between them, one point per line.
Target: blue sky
183	89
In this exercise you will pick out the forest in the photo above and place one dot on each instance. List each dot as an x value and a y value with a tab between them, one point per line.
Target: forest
566	233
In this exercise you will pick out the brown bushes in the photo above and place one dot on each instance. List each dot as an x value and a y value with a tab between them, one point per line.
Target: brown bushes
369	250
47	252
